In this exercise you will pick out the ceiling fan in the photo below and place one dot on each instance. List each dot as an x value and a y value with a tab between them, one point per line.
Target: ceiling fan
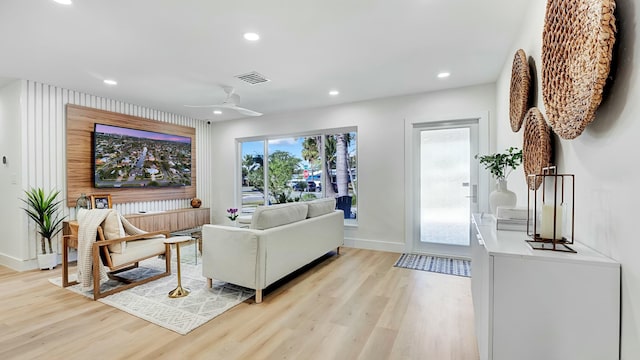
231	102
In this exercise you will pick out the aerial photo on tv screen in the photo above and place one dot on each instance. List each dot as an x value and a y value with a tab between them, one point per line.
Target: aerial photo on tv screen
135	158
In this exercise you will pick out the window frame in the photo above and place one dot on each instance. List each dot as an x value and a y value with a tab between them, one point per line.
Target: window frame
322	133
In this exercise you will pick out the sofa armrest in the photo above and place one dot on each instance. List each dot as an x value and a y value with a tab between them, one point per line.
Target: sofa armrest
232	255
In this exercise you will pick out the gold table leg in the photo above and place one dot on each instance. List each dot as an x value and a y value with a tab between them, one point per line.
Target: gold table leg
178	291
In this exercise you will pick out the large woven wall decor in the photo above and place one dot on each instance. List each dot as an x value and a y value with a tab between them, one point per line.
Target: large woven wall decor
536	150
519	90
577	43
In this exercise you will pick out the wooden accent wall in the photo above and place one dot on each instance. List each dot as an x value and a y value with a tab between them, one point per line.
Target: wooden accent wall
80	122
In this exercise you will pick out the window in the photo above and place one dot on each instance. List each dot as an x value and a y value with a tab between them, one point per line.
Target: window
301	168
252	182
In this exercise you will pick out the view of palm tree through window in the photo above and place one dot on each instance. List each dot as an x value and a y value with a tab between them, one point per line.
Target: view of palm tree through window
302	168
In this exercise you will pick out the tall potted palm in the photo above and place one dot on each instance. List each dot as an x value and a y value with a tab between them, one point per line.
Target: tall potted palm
43	209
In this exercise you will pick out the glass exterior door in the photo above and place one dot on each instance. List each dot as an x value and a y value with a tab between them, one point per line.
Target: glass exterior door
447	188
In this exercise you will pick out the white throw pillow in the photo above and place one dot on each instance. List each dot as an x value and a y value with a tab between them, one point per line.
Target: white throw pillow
113	229
266	217
321	207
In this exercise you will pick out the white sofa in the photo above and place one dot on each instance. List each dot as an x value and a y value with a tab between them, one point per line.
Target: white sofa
280	240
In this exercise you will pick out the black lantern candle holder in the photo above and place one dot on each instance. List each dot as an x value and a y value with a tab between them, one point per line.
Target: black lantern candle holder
551	204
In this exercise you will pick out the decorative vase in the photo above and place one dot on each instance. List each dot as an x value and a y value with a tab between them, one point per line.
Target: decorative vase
47	261
501	196
83	202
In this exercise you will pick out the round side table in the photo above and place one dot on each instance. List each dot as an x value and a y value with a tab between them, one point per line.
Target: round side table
179	291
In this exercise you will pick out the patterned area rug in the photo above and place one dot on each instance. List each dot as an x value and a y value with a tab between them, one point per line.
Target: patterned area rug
442	265
150	301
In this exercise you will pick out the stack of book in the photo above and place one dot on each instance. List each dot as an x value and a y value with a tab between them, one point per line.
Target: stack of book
514	219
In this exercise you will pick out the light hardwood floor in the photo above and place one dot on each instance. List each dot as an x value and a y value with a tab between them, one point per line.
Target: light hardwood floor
352	306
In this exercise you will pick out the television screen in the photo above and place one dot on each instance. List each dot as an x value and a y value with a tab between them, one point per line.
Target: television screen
136	158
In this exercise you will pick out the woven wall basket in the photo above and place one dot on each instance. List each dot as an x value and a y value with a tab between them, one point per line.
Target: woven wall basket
519	91
577	43
536	150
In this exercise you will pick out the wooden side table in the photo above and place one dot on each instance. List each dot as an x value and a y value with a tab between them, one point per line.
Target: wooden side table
179	291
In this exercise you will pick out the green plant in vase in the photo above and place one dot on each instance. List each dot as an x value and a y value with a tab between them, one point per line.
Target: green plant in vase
233	215
500	165
44	209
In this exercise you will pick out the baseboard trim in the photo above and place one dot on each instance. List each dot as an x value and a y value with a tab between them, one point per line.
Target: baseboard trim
26	265
17	264
374	245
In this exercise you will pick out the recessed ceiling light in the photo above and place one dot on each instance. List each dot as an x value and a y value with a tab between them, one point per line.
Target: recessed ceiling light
443	75
63	2
217	112
334	92
251	36
110	82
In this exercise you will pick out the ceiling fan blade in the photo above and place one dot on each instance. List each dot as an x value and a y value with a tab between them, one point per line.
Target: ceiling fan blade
201	106
233	99
231	102
225	106
229	90
246	111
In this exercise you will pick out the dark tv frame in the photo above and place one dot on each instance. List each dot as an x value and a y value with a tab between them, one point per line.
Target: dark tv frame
145	135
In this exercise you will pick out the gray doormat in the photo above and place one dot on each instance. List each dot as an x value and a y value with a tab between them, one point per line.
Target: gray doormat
437	264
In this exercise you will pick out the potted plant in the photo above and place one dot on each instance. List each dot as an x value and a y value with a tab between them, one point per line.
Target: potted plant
44	210
233	215
501	165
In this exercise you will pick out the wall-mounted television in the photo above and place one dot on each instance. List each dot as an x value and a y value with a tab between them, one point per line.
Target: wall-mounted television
131	158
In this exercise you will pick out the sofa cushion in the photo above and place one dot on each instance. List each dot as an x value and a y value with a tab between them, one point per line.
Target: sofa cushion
113	229
266	217
321	207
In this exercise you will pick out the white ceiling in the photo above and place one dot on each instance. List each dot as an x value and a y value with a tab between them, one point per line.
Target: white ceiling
168	53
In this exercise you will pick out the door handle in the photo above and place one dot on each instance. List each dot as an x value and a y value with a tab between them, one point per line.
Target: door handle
474	193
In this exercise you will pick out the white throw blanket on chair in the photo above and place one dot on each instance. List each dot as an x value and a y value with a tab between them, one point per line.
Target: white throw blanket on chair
88	222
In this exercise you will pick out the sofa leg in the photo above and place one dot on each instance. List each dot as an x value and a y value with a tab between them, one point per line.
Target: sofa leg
338	250
209	283
258	296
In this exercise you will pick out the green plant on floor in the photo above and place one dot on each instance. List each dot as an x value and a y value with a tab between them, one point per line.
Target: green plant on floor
502	164
43	209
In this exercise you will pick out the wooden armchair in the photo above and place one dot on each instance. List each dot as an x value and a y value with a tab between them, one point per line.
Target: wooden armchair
69	240
138	248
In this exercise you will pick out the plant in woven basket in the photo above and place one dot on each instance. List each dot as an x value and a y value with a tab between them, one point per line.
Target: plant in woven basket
502	164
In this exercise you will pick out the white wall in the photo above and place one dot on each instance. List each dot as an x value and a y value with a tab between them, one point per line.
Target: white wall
13	247
39	132
380	123
603	160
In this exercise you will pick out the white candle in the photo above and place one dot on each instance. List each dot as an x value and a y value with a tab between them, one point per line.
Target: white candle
546	222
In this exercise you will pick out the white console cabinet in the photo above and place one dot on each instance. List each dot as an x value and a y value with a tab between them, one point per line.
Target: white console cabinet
542	305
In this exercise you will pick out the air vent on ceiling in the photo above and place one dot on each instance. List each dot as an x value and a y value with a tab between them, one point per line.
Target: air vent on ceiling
253	78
